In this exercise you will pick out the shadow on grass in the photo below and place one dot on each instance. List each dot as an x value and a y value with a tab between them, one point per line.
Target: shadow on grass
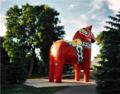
23	89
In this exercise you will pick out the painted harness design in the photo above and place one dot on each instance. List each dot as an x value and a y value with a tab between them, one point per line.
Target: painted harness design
78	44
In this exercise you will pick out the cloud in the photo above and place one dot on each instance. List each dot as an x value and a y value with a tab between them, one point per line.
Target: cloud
72	25
94	16
95	51
76	22
1	1
84	16
114	5
97	4
95	11
2	25
71	6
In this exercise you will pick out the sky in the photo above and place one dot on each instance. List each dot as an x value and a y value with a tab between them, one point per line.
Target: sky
74	14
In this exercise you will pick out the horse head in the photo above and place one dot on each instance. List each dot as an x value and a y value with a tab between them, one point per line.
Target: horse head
85	34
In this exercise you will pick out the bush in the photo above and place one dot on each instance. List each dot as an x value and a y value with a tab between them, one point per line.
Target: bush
13	73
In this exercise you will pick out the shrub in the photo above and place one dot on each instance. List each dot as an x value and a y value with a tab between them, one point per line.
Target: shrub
13	73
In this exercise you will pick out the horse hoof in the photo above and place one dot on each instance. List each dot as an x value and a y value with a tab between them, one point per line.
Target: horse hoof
51	80
58	81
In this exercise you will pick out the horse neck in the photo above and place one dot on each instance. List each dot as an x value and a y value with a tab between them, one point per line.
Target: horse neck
82	38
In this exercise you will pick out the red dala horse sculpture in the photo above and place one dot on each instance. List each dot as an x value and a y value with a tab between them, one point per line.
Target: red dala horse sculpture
76	52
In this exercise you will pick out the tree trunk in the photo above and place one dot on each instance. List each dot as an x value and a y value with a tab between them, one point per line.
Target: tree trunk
32	63
31	68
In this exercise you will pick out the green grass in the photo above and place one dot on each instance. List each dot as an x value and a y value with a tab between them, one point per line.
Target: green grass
23	89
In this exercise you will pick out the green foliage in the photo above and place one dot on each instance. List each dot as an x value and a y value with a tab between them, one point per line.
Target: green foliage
108	74
11	73
31	30
4	57
99	38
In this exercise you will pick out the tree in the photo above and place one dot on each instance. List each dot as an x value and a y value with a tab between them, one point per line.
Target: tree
31	30
51	32
108	74
4	59
11	73
3	55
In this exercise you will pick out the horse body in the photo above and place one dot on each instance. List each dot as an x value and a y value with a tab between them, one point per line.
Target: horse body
62	52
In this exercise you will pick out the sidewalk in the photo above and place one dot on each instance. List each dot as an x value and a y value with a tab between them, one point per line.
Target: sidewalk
73	87
82	89
45	83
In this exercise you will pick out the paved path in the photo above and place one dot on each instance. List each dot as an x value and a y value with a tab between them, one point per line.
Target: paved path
46	83
73	87
82	89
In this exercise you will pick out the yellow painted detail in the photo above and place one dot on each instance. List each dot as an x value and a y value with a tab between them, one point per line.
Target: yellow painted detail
75	42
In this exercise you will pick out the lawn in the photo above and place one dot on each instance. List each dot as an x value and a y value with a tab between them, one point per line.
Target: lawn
23	89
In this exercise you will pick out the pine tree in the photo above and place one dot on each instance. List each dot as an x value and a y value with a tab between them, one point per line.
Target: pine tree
108	74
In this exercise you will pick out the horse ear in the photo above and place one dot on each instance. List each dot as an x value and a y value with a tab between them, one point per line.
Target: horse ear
89	27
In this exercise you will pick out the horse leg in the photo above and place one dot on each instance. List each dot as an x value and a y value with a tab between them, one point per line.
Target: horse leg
86	69
51	69
59	70
77	72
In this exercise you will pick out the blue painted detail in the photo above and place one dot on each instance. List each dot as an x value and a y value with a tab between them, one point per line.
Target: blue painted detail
79	53
86	44
79	49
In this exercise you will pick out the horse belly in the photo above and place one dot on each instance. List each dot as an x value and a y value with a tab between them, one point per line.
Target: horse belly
70	55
